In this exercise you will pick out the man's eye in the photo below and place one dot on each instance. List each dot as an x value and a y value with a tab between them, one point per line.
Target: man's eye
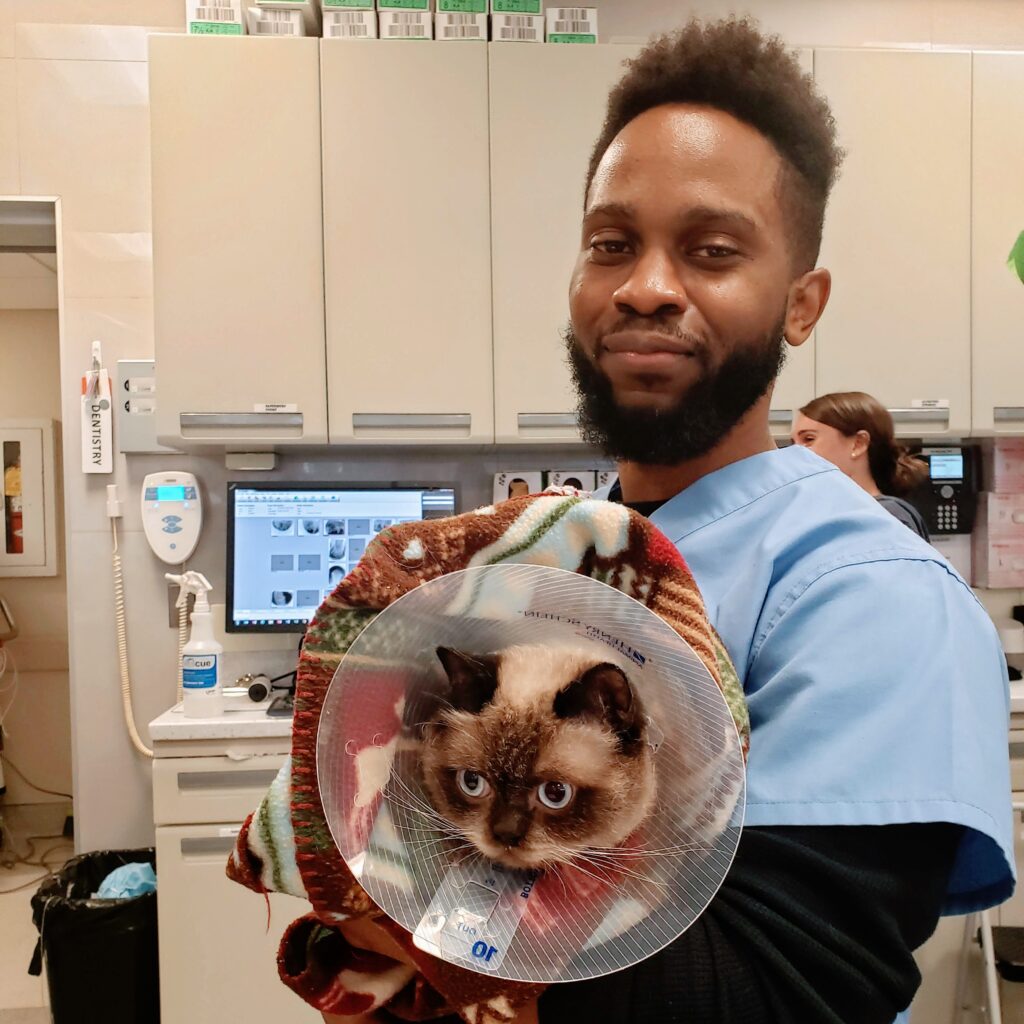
610	246
716	252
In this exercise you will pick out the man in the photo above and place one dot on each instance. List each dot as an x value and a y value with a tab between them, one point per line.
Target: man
878	782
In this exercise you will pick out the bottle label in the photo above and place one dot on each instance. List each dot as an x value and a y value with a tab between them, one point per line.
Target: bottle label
199	671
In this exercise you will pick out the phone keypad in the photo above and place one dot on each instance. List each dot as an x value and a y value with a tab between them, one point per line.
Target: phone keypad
947	517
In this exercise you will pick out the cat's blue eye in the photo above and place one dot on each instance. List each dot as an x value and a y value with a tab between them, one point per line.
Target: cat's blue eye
472	783
555	795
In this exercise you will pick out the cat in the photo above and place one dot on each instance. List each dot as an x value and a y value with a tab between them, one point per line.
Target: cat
538	754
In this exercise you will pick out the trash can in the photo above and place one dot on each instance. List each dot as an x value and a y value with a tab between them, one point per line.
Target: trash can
100	954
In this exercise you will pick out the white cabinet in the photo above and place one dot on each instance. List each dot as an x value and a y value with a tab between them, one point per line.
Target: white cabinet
547	107
898	235
217	955
997	196
407	243
237	240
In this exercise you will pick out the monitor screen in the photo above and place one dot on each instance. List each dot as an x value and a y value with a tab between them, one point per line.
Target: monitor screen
289	545
947	467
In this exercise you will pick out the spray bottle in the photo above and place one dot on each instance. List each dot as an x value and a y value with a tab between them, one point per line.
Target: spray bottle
200	657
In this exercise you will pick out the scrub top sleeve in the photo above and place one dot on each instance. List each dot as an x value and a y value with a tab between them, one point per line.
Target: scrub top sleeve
878	695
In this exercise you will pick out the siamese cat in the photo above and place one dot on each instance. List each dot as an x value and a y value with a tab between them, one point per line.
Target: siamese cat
538	754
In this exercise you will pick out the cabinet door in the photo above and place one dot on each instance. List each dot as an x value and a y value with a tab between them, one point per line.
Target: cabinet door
237	239
547	107
407	243
898	235
998	218
217	957
795	385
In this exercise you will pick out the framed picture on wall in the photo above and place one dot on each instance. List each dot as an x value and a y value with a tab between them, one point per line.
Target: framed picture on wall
28	513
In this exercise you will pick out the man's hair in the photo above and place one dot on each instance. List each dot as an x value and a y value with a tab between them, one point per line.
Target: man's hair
731	66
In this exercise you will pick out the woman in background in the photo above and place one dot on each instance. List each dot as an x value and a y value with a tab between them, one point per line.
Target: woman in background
854	432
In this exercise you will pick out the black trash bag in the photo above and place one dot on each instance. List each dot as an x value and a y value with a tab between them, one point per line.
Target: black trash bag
101	955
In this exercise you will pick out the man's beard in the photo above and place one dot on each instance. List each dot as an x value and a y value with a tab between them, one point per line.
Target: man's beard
699	419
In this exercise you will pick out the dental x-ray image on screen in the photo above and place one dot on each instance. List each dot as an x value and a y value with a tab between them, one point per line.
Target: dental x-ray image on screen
289	543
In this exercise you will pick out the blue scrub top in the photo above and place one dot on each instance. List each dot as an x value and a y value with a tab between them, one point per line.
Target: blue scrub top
875	679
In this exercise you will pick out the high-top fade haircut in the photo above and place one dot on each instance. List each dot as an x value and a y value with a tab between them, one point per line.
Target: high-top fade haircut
729	65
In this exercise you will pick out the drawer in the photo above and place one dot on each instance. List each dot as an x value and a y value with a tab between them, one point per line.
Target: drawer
199	790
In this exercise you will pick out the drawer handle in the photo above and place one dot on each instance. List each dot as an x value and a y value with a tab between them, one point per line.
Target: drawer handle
527	420
416	420
1016	751
240	419
920	415
208	846
780	417
1007	413
193	781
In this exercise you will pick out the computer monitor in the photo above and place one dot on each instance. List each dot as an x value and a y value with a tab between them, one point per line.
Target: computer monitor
289	544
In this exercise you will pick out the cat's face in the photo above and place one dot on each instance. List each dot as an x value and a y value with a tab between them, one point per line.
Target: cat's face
539	754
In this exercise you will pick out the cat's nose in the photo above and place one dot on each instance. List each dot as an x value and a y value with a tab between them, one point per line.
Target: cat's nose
510	829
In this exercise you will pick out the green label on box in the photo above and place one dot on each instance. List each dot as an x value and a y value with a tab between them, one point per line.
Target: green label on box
571	37
463	6
361	5
403	5
517	7
214	28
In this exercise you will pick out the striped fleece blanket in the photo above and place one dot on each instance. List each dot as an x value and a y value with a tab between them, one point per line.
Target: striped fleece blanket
286	845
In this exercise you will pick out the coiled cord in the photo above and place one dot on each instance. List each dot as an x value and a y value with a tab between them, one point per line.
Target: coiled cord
122	651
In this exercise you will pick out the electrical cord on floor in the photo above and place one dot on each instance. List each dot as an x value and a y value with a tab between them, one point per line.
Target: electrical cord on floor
51	869
31	785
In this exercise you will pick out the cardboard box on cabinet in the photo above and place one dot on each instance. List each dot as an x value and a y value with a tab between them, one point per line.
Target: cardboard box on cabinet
1003	466
998	541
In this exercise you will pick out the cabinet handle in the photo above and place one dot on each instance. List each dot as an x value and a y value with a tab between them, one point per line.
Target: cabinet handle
417	420
920	415
1016	751
1007	413
208	846
240	419
780	417
546	419
258	779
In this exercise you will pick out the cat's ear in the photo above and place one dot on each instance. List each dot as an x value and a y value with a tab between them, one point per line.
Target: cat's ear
603	694
473	679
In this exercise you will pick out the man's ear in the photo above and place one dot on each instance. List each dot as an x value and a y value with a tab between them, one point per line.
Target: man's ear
806	301
472	679
603	694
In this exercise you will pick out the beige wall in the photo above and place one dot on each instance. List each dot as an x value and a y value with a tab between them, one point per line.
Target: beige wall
38	726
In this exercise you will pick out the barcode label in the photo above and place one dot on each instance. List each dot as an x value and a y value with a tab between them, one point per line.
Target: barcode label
216	12
408	18
462	26
356	29
275	28
576	14
349	18
518	28
575	27
407	31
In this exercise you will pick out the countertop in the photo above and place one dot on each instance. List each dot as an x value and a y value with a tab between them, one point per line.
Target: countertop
232	725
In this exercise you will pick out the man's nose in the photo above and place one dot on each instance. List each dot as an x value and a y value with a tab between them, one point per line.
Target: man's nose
652	288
